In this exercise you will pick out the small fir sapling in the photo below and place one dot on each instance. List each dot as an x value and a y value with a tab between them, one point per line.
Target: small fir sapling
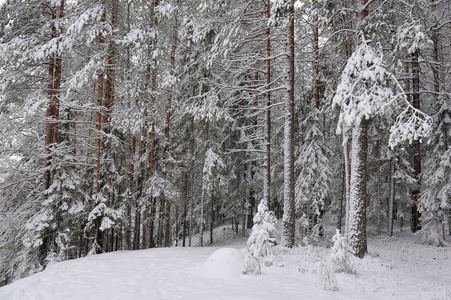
251	265
341	259
263	235
328	280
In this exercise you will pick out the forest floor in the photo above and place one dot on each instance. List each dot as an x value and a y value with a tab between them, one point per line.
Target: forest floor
394	268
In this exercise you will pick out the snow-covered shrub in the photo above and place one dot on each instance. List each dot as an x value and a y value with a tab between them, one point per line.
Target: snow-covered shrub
434	202
251	265
341	259
263	235
328	280
432	232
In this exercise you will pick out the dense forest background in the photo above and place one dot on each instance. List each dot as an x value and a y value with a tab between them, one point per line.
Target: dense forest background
138	124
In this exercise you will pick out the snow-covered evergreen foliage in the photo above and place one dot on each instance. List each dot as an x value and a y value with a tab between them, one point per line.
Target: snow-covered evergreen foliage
366	90
341	259
312	183
328	281
263	235
434	202
251	265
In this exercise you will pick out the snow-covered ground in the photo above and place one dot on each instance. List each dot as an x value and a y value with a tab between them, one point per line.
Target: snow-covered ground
396	268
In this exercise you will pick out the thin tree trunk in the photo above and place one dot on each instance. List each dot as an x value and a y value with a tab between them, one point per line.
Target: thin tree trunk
212	219
357	196
152	79
185	211
315	60
153	209
191	183
109	71
202	218
415	216
137	235
96	234
288	239
342	199
267	128
51	122
392	196
168	124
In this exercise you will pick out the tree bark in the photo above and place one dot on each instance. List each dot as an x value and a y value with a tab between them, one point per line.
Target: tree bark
267	128
392	196
357	197
415	214
357	209
288	238
52	119
315	60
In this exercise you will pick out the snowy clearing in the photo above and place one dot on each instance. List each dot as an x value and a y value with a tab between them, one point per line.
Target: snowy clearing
395	268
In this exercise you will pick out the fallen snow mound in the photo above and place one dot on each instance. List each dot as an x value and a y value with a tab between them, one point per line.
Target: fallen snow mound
223	263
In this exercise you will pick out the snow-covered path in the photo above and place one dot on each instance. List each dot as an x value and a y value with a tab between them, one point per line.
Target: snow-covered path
395	269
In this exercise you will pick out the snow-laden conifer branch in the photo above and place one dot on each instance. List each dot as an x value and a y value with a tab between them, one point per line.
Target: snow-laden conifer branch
411	124
366	90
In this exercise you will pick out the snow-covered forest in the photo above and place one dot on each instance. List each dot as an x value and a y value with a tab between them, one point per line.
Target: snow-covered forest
128	125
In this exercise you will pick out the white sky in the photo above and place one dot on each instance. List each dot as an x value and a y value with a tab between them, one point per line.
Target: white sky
1	2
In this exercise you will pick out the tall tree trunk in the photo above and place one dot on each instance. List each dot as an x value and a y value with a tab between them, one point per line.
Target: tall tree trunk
152	73
342	199
315	60
347	170
95	232
415	216
191	182
357	197
288	204
391	200
131	143
109	71
167	215
267	127
357	209
52	119
212	217
185	210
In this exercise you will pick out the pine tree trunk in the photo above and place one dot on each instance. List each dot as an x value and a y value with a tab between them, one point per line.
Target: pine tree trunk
392	197
95	232
342	199
137	234
153	209
288	238
357	197
191	182
51	121
415	216
212	219
167	213
185	211
315	60
167	224
267	128
202	218
109	72
347	169
357	208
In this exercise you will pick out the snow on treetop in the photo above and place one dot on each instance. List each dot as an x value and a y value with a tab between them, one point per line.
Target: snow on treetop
366	89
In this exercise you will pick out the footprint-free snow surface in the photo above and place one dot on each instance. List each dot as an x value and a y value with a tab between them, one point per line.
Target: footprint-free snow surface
395	268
